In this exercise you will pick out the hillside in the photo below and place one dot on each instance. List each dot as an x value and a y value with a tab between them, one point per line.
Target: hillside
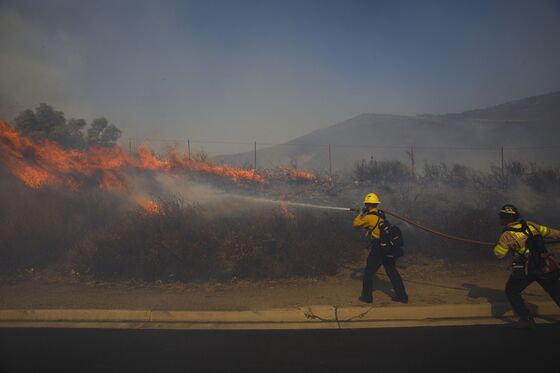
529	122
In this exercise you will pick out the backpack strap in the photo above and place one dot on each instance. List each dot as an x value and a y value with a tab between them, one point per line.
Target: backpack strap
379	213
381	216
523	229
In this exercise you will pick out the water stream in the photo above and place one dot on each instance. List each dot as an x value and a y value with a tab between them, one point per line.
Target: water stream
298	204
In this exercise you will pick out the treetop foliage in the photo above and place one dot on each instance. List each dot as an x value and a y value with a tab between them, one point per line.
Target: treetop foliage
46	123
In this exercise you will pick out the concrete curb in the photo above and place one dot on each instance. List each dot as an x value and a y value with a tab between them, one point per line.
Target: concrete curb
310	317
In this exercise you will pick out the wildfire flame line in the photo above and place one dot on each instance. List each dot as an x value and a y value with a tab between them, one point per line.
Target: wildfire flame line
150	206
302	175
45	163
41	163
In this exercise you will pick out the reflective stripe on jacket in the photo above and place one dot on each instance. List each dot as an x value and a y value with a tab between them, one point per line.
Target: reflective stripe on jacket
368	221
515	241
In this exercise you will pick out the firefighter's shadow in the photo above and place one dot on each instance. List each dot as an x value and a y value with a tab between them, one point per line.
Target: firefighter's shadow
497	298
378	283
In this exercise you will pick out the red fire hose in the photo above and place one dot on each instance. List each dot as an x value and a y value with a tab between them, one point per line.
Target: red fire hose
437	233
445	235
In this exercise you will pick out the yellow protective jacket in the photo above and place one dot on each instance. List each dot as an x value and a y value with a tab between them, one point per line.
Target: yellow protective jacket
515	241
368	221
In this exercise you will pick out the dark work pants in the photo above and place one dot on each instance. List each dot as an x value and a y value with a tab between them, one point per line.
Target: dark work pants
514	287
375	258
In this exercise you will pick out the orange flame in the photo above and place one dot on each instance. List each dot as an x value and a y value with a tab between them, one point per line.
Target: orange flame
286	212
150	206
296	174
41	163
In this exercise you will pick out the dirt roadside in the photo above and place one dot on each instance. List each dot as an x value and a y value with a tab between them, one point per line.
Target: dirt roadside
427	282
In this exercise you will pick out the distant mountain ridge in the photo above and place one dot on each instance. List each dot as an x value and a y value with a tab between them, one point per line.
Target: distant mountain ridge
542	107
470	137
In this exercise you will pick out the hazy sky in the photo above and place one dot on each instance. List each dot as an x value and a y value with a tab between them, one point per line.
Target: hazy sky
271	70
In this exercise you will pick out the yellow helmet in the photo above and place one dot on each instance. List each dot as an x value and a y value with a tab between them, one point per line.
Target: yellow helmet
372	198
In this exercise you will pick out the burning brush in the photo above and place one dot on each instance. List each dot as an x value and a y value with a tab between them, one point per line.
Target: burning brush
41	163
44	163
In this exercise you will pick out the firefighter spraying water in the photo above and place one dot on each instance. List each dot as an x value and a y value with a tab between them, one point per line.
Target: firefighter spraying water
386	247
532	262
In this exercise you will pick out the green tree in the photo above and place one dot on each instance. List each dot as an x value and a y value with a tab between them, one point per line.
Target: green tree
101	133
45	123
42	123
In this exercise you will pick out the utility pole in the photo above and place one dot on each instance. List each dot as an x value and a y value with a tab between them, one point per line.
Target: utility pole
412	163
255	154
189	148
130	145
330	162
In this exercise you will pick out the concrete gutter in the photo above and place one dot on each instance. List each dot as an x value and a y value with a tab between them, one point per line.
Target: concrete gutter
310	317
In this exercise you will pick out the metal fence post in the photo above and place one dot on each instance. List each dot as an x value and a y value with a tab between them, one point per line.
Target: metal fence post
412	164
255	156
330	162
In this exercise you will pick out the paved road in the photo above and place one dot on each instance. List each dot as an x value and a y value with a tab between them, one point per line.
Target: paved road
451	349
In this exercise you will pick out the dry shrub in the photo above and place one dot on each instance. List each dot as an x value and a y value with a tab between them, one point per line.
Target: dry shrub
174	244
40	227
382	172
99	234
191	242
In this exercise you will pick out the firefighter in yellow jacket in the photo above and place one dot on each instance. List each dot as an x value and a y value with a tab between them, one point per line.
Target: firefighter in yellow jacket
370	218
520	237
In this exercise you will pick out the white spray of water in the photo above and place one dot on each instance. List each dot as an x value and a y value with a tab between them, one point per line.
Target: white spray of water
209	195
298	204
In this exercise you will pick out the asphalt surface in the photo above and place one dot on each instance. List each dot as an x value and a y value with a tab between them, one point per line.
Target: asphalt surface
452	349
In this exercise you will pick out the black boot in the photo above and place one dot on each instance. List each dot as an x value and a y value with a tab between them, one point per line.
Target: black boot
365	299
399	299
524	323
